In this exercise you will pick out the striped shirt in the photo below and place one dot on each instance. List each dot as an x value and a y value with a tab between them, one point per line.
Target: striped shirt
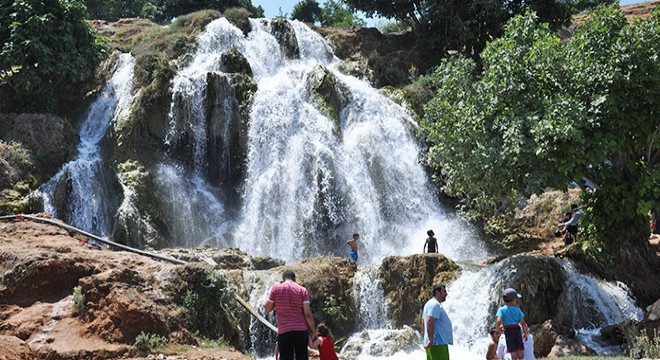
289	298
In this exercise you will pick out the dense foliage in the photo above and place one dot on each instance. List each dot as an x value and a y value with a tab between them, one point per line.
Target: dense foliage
546	113
467	25
46	46
159	10
334	13
308	11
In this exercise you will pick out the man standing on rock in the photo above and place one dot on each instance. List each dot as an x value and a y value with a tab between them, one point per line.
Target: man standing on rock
294	317
437	326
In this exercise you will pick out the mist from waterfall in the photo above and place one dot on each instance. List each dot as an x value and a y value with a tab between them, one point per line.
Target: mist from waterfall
86	179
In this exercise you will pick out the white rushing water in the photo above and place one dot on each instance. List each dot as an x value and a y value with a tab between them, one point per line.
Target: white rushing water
85	178
312	182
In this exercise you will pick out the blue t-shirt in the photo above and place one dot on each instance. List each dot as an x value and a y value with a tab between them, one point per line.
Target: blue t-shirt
442	333
510	315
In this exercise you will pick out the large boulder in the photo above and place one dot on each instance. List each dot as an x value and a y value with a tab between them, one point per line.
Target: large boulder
541	281
329	281
286	37
408	280
546	335
566	346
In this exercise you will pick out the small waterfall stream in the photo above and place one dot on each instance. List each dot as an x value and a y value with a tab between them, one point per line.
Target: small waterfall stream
85	182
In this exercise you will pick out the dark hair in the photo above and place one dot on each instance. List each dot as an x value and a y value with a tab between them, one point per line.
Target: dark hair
430	233
493	330
288	274
574	206
437	288
323	330
356	235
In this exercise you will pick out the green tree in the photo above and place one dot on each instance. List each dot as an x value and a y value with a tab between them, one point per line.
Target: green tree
307	11
113	10
46	47
337	14
545	113
467	25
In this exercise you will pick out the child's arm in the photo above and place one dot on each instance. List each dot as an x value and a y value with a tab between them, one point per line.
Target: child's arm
525	329
498	324
314	344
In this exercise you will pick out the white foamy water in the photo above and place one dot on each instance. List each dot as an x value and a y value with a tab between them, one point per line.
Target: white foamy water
86	178
311	181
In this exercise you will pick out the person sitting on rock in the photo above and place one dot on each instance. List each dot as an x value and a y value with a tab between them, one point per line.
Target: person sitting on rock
491	353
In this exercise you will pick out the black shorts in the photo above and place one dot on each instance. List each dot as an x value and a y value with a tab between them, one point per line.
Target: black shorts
514	341
293	342
572	229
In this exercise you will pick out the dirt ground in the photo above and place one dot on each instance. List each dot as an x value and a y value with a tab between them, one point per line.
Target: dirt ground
36	320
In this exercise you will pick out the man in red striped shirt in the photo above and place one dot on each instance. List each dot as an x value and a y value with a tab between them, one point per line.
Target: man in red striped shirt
294	316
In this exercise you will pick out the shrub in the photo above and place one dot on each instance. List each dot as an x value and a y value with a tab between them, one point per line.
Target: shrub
240	17
646	346
79	304
149	342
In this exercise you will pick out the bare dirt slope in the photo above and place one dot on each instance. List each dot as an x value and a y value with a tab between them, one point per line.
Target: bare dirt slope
41	264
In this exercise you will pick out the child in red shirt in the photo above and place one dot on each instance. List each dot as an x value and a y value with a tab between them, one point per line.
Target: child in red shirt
325	343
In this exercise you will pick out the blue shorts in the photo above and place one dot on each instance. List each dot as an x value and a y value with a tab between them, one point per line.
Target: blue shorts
354	254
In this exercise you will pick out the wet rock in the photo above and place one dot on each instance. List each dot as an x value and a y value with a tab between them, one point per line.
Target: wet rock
326	93
617	334
408	281
233	61
286	37
541	282
382	344
228	100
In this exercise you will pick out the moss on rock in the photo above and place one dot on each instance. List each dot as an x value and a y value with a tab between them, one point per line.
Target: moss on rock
408	281
325	90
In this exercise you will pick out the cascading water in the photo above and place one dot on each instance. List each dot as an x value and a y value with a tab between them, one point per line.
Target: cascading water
310	180
369	296
84	183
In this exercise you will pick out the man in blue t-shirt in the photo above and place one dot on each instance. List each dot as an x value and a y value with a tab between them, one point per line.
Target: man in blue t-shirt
437	326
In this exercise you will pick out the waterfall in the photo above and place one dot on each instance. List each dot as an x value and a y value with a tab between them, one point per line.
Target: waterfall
370	299
81	192
310	180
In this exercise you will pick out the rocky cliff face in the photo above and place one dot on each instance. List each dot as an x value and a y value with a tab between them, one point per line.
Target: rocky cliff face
45	142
